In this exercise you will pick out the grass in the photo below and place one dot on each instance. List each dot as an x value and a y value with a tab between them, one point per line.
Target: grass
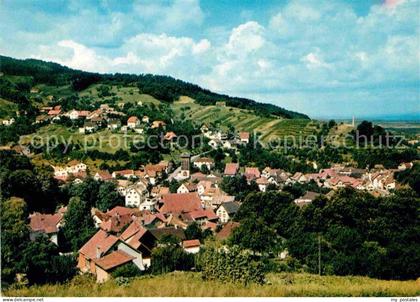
7	108
128	94
187	284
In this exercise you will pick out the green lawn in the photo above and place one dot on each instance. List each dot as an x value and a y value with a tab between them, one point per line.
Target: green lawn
186	284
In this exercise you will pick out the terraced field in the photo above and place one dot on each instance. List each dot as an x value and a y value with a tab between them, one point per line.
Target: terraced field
243	120
127	94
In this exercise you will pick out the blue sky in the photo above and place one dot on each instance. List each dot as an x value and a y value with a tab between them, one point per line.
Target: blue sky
324	58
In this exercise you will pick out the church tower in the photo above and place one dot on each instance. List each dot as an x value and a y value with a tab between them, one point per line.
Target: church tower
185	165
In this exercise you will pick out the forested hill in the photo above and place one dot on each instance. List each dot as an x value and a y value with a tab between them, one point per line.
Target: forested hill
164	88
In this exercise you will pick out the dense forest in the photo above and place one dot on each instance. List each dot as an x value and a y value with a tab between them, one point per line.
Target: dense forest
164	88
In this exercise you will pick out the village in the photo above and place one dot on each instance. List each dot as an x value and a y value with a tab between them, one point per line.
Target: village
129	233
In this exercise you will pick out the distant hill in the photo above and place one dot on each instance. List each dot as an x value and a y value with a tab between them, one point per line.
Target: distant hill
163	88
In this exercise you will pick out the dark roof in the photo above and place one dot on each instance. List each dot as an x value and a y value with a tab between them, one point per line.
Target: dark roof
159	233
231	207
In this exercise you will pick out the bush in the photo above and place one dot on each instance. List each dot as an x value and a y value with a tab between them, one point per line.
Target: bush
232	265
127	270
170	258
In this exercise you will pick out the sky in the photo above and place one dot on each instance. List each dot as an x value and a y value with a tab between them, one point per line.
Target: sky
328	59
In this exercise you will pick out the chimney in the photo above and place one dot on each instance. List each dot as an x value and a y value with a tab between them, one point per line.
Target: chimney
98	252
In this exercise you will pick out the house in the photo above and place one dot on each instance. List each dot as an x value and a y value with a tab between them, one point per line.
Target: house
159	191
203	185
252	173
140	239
116	219
114	124
227	230
200	216
231	169
221	104
262	183
227	210
123	173
158	124
187	188
88	127
244	137
136	194
74	167
179	203
48	224
74	114
154	172
122	185
133	122
405	166
169	136
307	198
191	246
8	122
103	253
103	175
204	161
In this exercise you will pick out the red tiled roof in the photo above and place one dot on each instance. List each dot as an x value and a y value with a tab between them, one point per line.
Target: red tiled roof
201	213
252	171
45	223
204	160
133	234
191	243
114	259
132	119
180	203
227	230
121	211
169	135
231	168
244	135
104	175
54	112
102	240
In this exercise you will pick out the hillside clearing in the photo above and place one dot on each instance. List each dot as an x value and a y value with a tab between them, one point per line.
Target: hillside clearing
186	284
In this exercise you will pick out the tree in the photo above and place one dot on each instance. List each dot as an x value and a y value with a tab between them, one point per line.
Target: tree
255	235
14	236
170	258
78	227
108	197
42	263
193	231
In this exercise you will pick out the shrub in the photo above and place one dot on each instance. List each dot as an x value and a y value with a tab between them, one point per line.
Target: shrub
231	265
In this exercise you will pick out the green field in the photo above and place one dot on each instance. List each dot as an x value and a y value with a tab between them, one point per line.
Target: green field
243	120
104	140
7	108
186	284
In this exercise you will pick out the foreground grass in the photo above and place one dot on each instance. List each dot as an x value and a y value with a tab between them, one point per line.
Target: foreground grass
187	284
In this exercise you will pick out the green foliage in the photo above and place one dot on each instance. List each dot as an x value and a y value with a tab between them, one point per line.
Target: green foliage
169	258
108	197
410	177
42	263
14	236
127	270
360	235
255	235
231	265
238	186
79	225
35	185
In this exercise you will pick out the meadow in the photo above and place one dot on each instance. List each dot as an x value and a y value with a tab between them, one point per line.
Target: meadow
190	284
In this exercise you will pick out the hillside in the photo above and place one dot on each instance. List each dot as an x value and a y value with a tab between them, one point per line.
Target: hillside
164	88
280	285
